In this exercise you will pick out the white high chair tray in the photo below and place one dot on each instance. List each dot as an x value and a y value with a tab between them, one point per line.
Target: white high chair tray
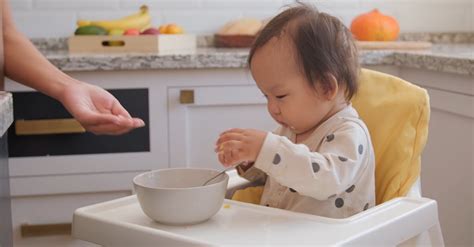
121	222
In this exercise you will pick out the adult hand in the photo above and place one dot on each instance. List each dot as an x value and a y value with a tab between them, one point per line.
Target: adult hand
97	110
239	145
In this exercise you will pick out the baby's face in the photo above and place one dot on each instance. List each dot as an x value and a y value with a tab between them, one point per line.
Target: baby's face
291	100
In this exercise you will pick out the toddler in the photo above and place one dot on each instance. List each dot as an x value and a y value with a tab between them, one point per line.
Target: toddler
320	160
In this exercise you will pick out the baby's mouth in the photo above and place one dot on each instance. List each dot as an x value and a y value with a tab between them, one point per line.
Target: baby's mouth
286	125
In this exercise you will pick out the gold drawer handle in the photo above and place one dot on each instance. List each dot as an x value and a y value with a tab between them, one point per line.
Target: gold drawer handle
48	127
186	96
45	230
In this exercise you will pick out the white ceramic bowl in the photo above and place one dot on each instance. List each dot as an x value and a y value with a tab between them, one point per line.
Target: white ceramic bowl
176	197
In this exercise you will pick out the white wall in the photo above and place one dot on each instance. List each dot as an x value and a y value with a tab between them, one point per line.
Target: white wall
56	18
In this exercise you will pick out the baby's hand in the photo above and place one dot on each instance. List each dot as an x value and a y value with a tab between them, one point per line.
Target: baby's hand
238	145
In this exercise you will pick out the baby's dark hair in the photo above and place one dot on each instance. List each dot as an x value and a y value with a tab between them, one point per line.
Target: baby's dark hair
324	46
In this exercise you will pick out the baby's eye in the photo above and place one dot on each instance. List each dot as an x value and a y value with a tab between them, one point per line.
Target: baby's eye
281	96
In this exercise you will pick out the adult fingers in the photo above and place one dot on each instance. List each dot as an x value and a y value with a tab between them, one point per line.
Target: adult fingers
118	109
130	122
108	129
96	118
125	118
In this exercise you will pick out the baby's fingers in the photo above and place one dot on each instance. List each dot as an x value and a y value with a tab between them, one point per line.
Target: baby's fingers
228	137
220	157
224	153
231	152
233	130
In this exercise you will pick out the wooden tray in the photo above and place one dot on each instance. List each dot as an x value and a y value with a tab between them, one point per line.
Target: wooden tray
132	44
234	41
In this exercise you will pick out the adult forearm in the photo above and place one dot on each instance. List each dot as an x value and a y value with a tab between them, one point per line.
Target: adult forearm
25	64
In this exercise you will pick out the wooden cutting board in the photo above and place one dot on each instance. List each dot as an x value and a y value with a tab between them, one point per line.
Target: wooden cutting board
393	45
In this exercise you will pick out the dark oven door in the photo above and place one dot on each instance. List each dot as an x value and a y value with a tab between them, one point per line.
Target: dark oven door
43	127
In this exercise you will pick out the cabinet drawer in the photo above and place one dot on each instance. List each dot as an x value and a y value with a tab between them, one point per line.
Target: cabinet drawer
229	106
36	106
53	209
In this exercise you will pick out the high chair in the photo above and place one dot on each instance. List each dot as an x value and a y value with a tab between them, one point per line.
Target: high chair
396	113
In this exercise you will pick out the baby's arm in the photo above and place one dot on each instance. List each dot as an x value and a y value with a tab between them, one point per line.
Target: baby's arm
334	168
247	171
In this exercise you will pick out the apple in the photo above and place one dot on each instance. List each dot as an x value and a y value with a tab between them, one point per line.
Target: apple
151	31
132	32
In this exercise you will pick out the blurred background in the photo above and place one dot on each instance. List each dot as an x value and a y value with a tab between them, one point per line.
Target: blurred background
57	18
187	100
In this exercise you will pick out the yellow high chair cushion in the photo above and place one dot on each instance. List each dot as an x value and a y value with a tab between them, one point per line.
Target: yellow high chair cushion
396	113
249	195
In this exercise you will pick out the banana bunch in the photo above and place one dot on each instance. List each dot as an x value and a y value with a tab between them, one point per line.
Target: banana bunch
140	20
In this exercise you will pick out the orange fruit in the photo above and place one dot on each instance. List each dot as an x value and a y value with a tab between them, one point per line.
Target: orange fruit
170	29
174	29
163	29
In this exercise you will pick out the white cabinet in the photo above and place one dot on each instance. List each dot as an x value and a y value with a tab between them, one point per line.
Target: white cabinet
197	115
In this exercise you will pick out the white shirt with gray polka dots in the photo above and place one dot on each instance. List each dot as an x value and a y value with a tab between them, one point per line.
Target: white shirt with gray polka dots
331	174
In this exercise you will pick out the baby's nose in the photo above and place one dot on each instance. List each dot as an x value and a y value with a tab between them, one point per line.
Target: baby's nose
273	109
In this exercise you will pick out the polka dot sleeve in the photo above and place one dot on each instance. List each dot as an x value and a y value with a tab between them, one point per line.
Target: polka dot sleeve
335	167
253	174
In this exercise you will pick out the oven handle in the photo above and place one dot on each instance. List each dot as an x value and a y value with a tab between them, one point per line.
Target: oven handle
48	127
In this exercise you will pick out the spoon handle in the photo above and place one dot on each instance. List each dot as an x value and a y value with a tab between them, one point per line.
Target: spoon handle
220	173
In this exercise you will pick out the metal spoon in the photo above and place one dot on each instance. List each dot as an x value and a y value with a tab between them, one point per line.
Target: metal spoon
220	173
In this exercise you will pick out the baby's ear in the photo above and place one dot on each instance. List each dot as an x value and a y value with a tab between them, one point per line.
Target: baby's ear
327	89
332	87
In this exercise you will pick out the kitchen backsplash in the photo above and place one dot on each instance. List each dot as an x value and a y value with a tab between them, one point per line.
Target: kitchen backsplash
57	18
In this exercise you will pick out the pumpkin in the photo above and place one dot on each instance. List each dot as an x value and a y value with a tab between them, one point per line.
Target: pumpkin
375	26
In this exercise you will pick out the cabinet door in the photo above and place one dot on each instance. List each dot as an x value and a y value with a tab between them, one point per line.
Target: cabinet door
197	115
